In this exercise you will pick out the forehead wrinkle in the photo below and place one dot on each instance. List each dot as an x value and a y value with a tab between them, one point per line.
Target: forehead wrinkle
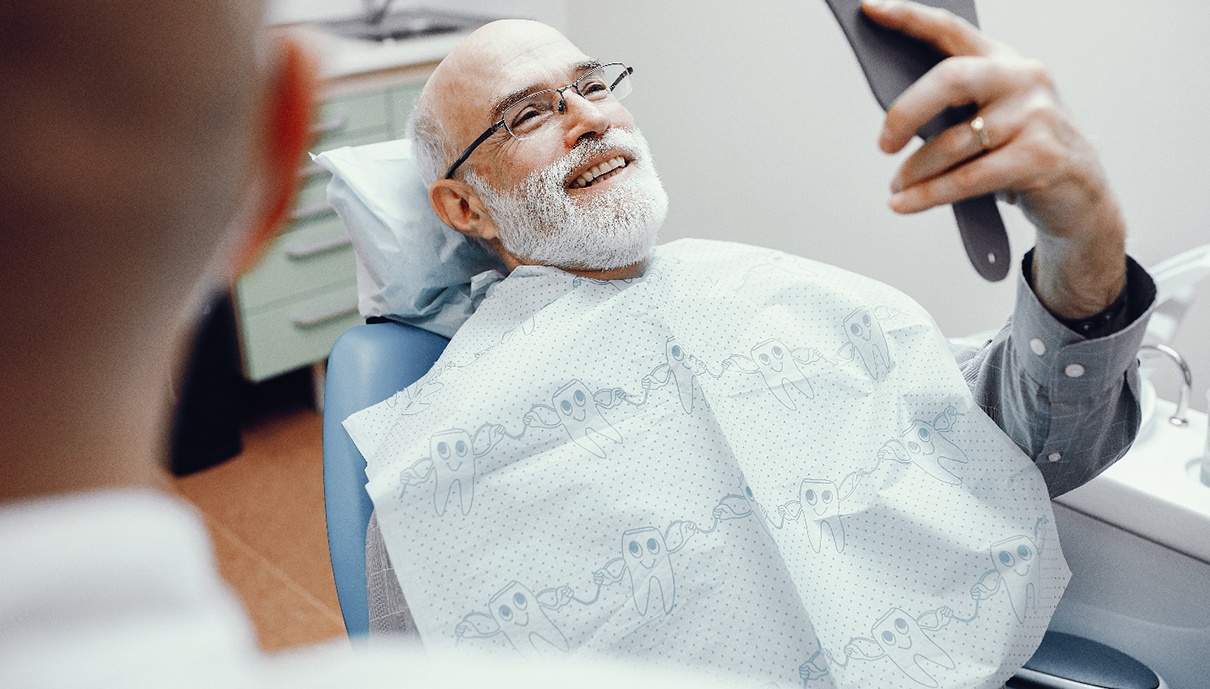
520	94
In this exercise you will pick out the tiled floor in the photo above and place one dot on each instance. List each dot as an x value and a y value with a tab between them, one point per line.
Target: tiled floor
265	511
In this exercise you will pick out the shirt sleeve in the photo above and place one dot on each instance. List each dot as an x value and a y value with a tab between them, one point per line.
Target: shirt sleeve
1070	402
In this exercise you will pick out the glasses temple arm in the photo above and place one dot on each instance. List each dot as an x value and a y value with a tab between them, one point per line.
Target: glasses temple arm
449	174
625	73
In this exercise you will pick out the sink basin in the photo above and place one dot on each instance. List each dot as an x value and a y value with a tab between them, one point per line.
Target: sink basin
1154	490
403	25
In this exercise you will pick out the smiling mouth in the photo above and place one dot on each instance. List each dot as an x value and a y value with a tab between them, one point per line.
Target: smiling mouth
599	172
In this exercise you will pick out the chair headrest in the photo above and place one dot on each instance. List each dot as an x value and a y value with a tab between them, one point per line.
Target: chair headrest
410	266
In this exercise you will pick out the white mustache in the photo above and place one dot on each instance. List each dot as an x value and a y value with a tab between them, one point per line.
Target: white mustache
620	140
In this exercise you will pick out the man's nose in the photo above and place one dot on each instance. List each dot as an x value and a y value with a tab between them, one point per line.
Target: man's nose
583	119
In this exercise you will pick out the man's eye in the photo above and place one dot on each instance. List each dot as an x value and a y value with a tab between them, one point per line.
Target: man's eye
524	116
593	86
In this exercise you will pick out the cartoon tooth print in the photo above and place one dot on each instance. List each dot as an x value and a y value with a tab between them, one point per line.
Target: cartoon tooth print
524	622
646	559
579	414
451	466
453	458
820	503
869	342
927	448
780	373
646	556
687	385
734	506
906	645
521	617
924	445
1016	560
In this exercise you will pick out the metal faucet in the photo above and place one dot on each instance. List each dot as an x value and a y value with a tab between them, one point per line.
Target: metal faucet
375	15
1179	417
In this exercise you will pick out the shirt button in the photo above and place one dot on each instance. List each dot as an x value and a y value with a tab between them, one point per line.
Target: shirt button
1038	346
1054	456
1074	370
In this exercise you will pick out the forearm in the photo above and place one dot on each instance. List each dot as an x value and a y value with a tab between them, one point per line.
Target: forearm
1069	402
1079	264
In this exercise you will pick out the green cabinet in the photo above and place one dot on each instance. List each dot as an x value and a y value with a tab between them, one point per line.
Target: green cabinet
302	294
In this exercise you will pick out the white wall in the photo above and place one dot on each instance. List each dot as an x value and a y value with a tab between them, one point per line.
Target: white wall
764	131
291	11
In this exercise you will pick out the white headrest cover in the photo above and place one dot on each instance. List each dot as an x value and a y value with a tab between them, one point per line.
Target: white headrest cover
411	267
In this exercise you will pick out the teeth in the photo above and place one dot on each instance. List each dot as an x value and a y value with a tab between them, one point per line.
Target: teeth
588	176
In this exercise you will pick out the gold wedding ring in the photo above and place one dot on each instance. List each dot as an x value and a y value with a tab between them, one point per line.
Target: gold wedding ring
984	140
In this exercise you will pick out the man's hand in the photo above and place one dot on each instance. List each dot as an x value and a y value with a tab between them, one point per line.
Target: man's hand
1031	153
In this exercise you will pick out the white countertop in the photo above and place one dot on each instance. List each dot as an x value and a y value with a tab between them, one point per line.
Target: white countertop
1154	491
342	57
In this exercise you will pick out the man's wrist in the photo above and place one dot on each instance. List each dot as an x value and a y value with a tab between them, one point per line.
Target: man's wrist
1133	299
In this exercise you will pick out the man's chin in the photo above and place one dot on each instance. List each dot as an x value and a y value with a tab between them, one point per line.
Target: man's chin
613	261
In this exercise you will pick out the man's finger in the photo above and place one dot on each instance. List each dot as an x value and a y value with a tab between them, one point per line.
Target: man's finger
952	147
943	30
953	82
984	175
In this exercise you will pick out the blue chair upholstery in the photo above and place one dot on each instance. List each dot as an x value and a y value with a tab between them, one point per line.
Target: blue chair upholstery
368	364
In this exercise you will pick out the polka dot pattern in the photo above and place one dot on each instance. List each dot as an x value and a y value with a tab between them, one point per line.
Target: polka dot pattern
744	461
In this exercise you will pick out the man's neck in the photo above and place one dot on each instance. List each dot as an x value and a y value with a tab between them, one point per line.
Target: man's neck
631	271
77	430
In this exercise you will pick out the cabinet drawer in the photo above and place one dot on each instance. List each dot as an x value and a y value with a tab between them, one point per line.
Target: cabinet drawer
353	113
296	333
312	186
313	255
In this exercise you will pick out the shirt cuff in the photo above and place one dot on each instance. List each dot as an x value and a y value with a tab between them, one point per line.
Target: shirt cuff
1070	366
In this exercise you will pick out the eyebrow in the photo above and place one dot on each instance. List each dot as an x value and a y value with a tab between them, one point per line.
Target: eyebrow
521	94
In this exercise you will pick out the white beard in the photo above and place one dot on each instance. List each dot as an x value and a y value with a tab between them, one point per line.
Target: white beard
540	222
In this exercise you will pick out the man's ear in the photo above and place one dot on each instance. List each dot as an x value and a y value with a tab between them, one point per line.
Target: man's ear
284	130
458	206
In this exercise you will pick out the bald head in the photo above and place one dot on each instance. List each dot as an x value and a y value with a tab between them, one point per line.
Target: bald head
494	62
467	84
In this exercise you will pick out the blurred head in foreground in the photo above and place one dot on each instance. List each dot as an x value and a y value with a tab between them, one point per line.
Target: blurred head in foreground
149	149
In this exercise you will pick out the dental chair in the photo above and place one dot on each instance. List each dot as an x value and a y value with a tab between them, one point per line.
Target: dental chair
410	269
368	364
371	362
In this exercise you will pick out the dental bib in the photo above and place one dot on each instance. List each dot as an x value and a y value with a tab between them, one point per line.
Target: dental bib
744	462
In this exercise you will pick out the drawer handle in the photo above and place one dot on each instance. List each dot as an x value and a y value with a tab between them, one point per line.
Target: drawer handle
305	251
329	126
319	318
310	212
311	170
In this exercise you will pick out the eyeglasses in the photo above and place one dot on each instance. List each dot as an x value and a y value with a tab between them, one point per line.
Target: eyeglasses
527	117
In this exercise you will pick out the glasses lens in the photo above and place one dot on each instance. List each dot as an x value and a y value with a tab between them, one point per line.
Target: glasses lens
526	117
607	81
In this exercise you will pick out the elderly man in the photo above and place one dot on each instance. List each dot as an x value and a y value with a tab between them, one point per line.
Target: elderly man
527	149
